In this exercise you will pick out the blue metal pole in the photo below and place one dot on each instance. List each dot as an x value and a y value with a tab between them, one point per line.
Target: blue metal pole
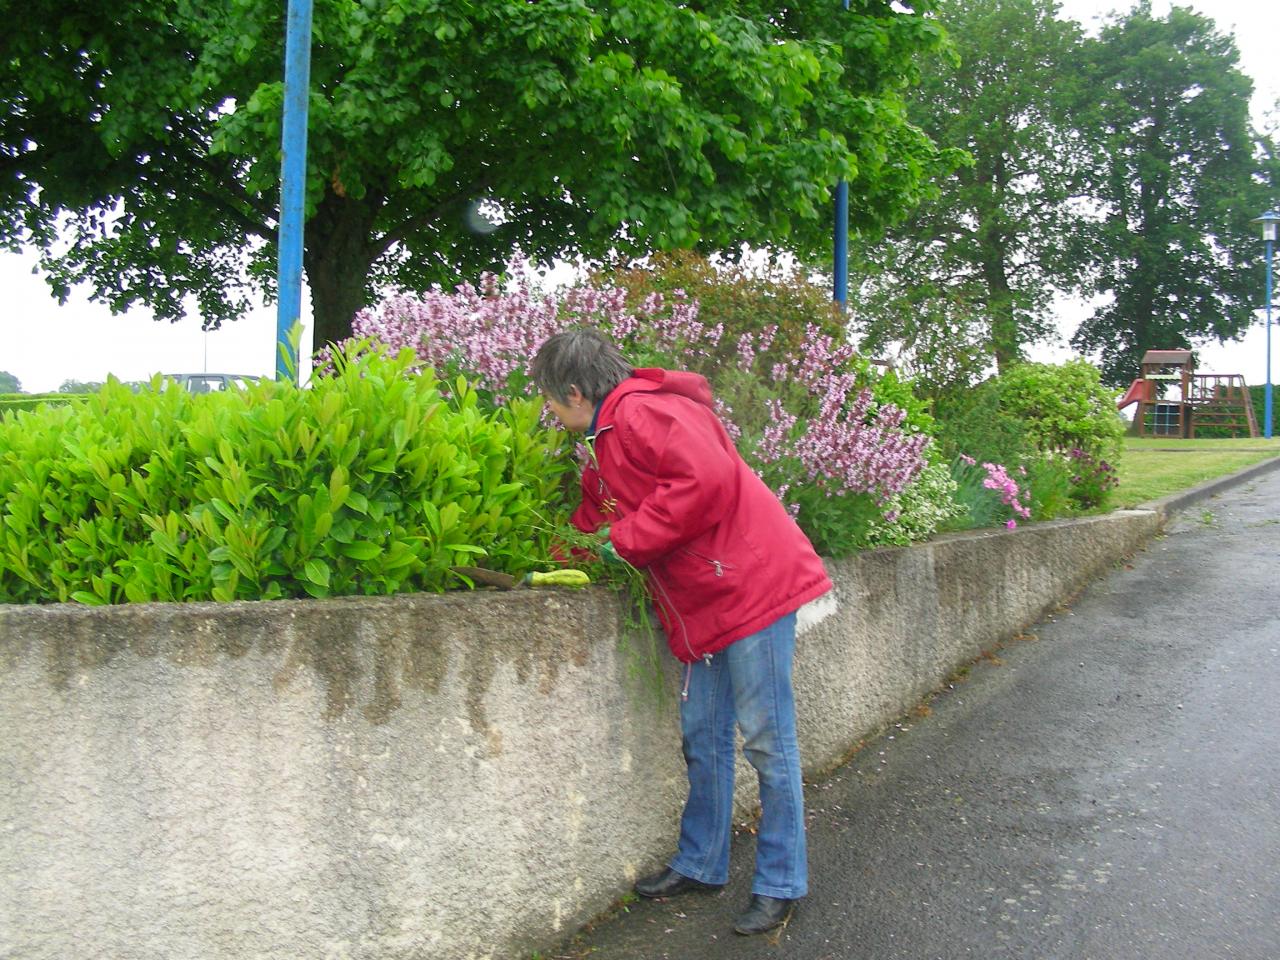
293	182
1266	413
841	265
840	254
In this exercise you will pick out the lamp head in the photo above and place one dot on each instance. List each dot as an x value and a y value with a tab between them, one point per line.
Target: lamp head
1270	225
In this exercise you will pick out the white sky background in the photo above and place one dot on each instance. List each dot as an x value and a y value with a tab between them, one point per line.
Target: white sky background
44	344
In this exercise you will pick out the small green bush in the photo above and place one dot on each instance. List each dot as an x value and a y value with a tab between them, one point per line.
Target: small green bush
973	423
1054	425
926	505
372	481
1048	482
1064	406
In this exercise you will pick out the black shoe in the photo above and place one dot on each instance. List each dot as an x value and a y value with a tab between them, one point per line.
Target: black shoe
764	913
668	883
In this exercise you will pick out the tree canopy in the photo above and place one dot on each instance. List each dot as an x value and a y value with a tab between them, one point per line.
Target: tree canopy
1178	176
139	141
1123	166
9	383
968	276
79	386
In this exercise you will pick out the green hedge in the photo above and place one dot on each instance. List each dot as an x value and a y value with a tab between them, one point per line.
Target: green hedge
370	482
1258	397
16	402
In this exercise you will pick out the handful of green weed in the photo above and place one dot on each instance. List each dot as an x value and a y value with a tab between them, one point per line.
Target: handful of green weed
640	634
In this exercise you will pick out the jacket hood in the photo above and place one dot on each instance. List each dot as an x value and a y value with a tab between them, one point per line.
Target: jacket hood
693	386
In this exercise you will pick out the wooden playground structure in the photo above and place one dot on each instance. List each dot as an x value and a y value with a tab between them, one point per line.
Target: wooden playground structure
1203	399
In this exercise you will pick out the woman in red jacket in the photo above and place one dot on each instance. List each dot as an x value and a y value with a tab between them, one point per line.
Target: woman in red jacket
727	569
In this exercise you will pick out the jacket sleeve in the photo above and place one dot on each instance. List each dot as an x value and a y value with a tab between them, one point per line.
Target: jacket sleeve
587	517
683	447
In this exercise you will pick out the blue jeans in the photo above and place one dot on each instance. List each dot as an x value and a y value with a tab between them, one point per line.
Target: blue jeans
747	683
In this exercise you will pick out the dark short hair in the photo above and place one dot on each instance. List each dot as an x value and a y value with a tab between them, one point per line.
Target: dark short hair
582	358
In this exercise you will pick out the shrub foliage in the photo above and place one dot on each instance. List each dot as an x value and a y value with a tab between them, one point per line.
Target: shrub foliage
370	482
836	442
1064	406
422	447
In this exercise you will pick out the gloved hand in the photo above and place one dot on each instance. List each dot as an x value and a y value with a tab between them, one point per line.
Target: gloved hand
607	552
609	555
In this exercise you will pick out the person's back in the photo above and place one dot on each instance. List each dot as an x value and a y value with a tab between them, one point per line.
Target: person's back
723	555
727	569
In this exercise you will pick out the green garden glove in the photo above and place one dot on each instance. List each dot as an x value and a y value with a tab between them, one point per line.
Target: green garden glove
610	556
607	552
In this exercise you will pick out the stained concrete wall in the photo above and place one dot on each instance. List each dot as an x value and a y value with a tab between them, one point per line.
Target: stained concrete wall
445	777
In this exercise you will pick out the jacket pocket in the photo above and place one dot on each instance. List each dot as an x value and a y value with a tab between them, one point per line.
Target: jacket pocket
719	567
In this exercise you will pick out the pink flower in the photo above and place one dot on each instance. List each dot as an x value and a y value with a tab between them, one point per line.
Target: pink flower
999	480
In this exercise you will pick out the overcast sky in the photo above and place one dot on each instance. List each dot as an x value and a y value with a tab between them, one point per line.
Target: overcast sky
44	344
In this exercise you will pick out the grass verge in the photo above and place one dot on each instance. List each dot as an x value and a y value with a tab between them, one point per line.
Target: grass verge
1154	467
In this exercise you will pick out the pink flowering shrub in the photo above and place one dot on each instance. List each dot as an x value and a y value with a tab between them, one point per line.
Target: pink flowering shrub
1007	488
834	454
990	494
483	332
810	424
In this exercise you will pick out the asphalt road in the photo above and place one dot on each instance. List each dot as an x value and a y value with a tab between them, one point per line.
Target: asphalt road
1106	788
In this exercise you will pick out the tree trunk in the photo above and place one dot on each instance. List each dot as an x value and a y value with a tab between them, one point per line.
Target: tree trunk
1006	338
340	250
993	253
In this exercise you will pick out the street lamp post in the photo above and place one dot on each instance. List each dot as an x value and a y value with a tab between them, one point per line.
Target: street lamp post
293	183
1270	221
840	245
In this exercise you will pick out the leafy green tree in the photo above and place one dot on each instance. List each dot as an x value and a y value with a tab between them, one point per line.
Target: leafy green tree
1179	175
968	278
9	383
80	386
442	136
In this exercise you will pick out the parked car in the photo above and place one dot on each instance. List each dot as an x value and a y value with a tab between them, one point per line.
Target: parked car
211	382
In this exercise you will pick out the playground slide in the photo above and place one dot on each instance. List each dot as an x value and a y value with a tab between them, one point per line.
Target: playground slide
1139	390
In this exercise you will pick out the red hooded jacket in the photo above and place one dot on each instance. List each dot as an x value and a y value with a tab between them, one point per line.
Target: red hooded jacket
723	557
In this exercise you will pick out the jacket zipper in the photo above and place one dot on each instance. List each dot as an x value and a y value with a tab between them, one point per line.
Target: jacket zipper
720	565
684	632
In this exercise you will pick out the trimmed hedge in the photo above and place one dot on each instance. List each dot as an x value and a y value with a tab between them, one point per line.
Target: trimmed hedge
372	481
16	402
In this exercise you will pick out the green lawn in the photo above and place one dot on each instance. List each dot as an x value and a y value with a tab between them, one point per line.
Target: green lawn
1154	467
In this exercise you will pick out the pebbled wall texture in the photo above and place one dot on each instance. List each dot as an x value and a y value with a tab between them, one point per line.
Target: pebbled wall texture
453	777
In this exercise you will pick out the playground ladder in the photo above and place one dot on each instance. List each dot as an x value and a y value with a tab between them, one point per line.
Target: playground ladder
1221	400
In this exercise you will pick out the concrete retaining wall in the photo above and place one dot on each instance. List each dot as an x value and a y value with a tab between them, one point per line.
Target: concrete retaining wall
445	777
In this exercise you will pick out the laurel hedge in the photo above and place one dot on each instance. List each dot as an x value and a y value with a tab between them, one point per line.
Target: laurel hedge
11	403
371	481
